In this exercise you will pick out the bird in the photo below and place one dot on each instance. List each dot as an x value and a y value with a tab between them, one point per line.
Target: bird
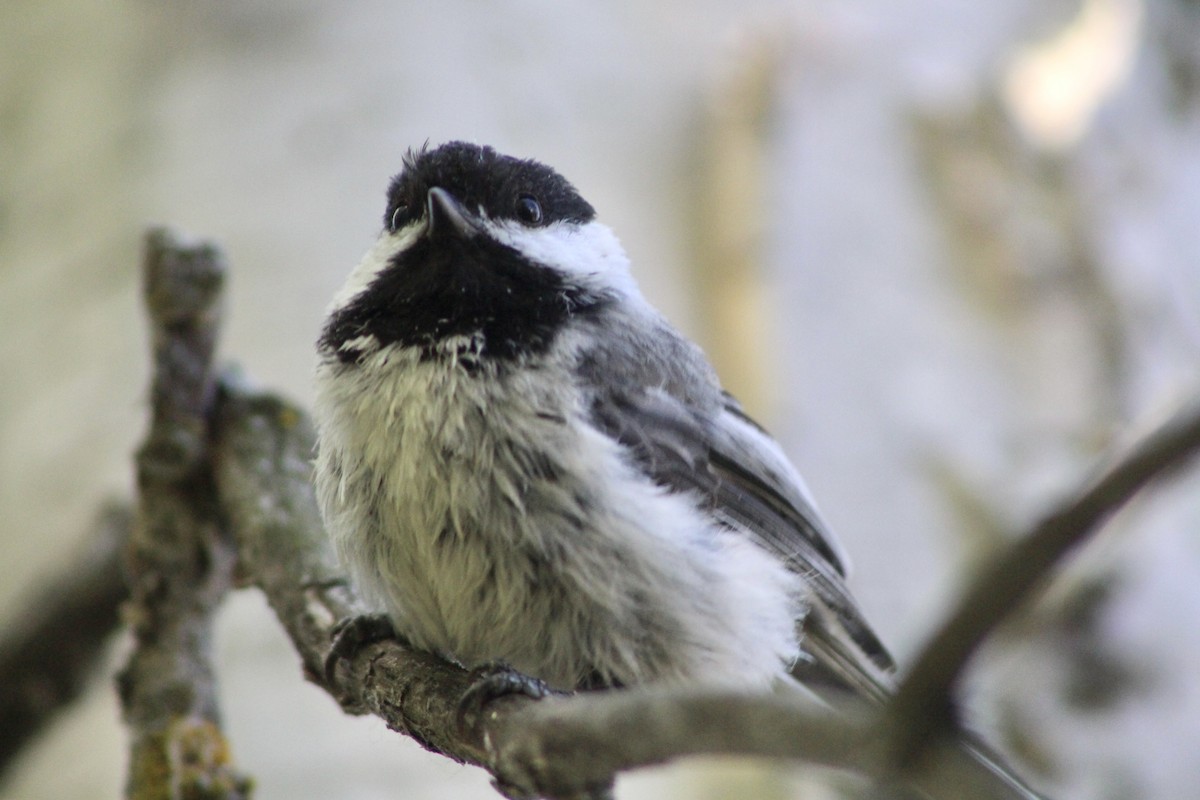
520	460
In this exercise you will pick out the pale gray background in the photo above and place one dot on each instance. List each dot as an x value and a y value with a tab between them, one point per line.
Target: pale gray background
960	317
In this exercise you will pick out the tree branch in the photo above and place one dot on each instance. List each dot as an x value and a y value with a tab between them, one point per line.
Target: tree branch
58	635
178	564
924	701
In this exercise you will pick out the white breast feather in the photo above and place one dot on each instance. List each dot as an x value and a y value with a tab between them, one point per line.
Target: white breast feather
478	554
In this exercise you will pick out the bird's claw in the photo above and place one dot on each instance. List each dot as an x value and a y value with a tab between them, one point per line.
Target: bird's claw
351	635
492	681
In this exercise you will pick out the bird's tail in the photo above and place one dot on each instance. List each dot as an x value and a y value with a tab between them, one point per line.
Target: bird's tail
964	767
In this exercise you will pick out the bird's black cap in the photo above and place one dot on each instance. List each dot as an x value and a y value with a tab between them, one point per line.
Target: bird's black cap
485	182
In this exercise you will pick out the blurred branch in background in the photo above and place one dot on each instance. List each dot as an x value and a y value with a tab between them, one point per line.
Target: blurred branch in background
57	637
230	468
731	218
1038	183
1024	255
926	693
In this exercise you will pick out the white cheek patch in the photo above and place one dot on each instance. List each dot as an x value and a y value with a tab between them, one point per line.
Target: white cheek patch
590	254
375	261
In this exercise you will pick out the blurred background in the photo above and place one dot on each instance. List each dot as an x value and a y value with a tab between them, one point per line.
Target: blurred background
948	252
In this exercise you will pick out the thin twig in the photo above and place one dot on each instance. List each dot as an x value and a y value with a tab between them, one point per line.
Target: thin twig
179	566
924	701
58	635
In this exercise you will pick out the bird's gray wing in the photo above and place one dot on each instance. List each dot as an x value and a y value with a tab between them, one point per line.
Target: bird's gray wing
716	452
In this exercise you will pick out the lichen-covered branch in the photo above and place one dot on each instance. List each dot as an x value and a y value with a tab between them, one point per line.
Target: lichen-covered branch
925	698
58	635
178	562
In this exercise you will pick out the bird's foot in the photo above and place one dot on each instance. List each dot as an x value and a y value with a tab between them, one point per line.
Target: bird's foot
351	635
490	682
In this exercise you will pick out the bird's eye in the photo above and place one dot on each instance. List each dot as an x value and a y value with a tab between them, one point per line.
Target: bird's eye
529	210
399	217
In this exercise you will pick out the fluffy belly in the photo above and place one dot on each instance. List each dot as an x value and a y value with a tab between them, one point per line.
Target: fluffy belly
504	564
560	558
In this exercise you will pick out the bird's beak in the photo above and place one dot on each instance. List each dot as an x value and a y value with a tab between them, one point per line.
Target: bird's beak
447	216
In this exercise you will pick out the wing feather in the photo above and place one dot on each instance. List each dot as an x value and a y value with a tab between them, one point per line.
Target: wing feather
709	447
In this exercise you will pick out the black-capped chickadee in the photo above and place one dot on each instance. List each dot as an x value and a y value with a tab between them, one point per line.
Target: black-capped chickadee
521	460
